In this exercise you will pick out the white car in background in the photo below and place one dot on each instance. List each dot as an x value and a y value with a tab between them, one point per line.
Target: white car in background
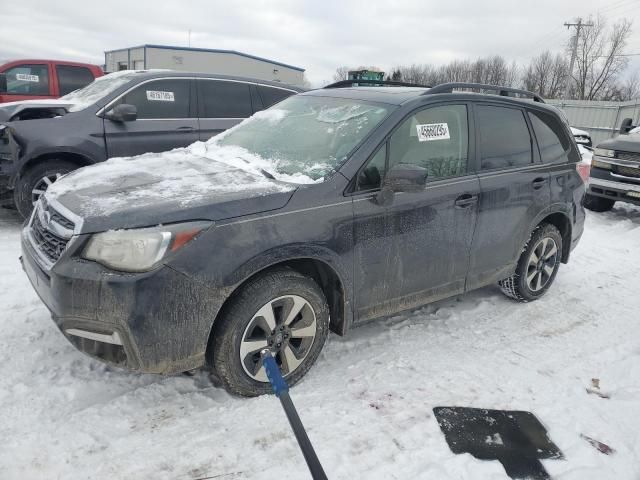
582	137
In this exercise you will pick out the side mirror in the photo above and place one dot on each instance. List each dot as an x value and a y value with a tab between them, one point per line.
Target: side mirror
402	178
3	83
626	125
122	113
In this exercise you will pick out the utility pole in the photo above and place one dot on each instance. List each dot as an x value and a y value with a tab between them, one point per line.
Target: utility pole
574	51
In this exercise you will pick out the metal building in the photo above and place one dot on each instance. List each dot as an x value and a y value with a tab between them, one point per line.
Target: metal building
601	119
202	60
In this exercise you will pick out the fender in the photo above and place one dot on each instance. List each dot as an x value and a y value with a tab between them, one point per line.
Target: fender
296	251
299	251
564	209
32	157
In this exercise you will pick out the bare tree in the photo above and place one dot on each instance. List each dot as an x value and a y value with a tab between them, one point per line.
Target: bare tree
342	73
599	58
546	75
631	87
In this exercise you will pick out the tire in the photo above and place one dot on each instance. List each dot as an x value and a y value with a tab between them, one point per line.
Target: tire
23	194
242	331
532	278
598	204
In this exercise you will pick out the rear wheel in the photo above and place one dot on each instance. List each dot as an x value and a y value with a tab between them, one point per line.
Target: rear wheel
281	310
35	181
598	204
537	266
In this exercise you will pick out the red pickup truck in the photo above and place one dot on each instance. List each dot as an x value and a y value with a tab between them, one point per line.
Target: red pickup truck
37	79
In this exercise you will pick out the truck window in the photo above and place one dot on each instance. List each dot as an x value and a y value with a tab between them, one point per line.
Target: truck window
160	99
271	96
28	80
219	99
71	78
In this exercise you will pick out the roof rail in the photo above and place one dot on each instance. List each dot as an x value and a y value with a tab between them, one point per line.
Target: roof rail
350	83
503	91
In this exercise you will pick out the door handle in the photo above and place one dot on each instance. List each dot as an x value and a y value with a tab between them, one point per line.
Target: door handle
185	129
466	200
538	183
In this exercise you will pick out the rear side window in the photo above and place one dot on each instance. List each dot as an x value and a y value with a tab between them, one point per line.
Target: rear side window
504	137
271	96
28	80
71	78
220	99
552	141
436	138
160	99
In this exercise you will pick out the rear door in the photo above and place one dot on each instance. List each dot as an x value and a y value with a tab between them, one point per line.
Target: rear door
221	105
416	249
514	188
28	81
166	119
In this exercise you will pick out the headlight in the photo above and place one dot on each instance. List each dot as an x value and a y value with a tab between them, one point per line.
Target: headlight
140	250
604	152
598	164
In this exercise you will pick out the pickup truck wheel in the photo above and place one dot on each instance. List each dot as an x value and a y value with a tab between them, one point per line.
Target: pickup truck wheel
598	204
35	181
537	266
281	310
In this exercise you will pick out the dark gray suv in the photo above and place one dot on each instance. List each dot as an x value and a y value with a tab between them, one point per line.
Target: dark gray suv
121	114
332	208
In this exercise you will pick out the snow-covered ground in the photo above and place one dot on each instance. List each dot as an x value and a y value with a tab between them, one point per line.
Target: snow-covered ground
368	401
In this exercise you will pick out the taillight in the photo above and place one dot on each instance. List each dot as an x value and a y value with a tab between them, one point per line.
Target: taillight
583	169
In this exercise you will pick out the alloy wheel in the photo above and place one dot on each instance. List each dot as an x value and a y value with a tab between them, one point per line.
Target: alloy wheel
41	186
287	326
542	263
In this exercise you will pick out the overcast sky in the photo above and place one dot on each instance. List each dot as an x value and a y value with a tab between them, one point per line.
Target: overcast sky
316	35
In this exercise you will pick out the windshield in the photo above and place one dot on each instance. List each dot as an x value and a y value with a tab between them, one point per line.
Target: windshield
97	89
304	134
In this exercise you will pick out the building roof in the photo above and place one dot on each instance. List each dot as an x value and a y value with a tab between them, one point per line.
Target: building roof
209	50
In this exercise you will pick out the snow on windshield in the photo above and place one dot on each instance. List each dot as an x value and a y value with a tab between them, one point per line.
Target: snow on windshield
303	136
97	89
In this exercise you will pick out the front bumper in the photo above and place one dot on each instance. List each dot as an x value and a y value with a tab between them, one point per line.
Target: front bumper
154	322
614	190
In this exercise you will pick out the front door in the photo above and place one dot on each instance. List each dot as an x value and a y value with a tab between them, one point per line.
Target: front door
166	119
416	249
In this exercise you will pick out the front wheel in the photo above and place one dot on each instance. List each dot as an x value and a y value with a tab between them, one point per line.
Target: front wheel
281	310
537	266
35	181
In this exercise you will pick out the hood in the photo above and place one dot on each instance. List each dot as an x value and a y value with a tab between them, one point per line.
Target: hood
626	143
175	186
13	110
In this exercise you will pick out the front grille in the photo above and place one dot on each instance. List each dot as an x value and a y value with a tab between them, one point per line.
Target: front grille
51	237
60	220
627	171
47	242
631	156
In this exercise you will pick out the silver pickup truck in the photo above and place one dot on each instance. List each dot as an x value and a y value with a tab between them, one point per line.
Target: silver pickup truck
615	170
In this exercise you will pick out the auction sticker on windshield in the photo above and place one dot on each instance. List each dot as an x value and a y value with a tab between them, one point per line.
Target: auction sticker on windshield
429	132
157	96
27	78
